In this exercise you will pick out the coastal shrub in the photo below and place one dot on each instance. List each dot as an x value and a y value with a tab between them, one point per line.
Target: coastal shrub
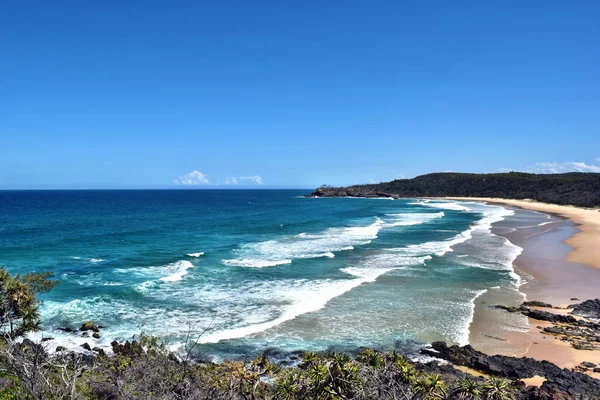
467	389
19	305
497	388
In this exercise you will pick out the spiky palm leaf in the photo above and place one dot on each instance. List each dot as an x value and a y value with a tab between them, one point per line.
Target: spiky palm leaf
496	388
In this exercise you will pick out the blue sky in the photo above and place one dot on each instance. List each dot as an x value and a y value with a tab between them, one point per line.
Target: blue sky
153	94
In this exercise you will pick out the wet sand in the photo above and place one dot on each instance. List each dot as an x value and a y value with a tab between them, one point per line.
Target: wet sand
585	242
550	274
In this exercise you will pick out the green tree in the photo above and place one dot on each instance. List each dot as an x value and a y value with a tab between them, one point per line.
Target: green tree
19	305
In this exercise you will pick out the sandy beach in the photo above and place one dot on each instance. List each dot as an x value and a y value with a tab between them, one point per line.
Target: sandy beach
560	261
585	243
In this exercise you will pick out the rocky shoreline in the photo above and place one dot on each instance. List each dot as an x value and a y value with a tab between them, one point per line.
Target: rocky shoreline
575	324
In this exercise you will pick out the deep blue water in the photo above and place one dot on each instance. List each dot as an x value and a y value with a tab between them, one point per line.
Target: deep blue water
257	268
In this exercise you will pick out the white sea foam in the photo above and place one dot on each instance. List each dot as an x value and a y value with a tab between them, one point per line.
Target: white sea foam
165	273
96	260
181	269
309	298
408	219
446	205
196	255
322	244
254	263
466	331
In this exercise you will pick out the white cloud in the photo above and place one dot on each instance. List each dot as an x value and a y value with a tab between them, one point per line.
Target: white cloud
192	178
556	168
253	179
371	180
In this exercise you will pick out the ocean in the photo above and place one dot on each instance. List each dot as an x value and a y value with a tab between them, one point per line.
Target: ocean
249	270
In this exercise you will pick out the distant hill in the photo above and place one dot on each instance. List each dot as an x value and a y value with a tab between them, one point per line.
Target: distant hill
576	188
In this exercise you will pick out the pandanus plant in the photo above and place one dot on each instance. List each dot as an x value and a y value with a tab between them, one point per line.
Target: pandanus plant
467	389
431	386
496	388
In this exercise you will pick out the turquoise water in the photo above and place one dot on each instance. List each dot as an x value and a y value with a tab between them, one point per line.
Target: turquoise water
256	269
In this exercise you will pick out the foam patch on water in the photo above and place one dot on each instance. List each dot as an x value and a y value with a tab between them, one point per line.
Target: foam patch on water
181	270
408	219
195	255
304	245
165	273
463	340
310	297
255	263
446	205
493	252
323	244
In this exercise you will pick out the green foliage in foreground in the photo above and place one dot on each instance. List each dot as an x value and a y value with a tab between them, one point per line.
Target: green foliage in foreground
144	369
19	305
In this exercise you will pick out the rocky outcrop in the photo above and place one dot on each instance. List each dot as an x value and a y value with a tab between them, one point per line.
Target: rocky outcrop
578	189
361	191
128	348
557	379
540	315
588	309
89	326
536	303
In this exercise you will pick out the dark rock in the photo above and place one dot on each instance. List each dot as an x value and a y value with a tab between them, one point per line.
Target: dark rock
65	329
557	379
130	349
47	339
60	348
85	334
100	351
597	369
547	316
588	364
96	335
510	309
89	326
574	299
588	309
536	303
86	346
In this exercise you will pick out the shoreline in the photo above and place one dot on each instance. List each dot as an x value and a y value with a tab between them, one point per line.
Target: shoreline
558	263
585	242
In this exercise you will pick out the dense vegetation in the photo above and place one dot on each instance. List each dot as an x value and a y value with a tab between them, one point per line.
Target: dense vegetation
578	189
145	369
